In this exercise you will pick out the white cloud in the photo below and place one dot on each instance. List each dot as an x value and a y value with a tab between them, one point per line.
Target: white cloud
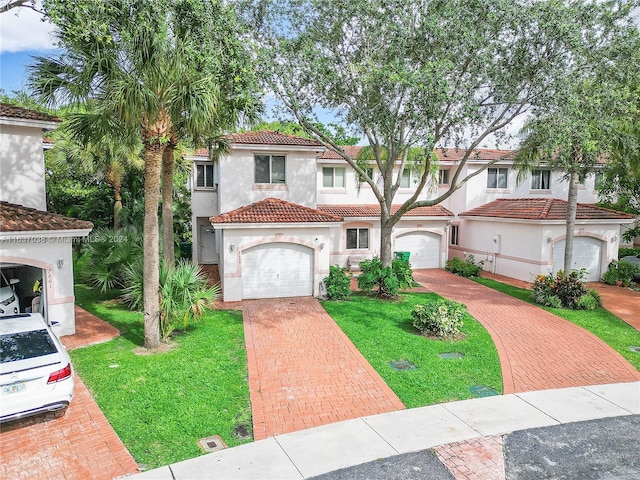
23	29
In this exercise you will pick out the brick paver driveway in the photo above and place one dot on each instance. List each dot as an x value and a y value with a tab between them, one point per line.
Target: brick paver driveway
81	445
537	349
304	371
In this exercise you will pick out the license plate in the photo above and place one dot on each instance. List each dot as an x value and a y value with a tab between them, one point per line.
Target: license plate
13	388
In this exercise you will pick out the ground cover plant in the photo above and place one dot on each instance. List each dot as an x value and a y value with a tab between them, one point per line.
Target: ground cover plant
383	332
602	323
161	404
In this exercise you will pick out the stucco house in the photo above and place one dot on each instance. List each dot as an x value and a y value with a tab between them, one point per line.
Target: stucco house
35	245
276	211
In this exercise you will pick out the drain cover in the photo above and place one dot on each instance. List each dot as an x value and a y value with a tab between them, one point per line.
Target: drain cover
450	355
635	349
402	365
211	444
483	391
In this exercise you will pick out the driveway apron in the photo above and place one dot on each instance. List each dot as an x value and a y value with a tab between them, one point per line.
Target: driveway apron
304	371
537	349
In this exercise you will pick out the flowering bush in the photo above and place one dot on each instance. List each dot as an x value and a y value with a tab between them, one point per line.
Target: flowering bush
563	291
442	318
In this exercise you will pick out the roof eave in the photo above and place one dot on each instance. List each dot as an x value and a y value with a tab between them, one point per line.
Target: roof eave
70	233
25	122
237	226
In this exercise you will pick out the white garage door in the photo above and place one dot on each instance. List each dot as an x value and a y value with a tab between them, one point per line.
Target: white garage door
277	270
587	253
424	248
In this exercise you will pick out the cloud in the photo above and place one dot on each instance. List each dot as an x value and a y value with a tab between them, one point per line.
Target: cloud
23	29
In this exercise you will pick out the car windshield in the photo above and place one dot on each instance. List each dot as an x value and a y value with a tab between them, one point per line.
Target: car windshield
23	345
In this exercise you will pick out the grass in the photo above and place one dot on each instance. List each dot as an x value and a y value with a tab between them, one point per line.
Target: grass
383	332
161	404
602	323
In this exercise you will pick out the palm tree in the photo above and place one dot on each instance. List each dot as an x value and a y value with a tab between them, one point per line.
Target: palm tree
103	156
136	74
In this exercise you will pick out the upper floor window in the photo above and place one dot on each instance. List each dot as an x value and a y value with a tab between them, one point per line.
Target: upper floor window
358	238
405	181
368	171
204	175
598	180
497	177
443	176
453	234
270	169
333	177
541	179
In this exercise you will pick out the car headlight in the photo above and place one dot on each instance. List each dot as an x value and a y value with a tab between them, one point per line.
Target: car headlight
8	301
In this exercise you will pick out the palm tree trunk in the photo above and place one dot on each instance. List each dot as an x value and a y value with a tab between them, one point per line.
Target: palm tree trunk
168	248
151	263
572	207
117	205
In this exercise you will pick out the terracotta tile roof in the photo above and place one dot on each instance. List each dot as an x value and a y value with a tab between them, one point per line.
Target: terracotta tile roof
542	209
16	218
267	137
11	111
374	211
444	154
274	210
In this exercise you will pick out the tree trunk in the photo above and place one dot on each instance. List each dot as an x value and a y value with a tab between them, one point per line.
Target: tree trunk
117	205
386	229
168	250
572	207
151	263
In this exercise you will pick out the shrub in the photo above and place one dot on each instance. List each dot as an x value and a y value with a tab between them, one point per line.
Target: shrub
620	271
586	302
338	283
388	280
628	252
184	294
465	268
443	318
566	288
105	255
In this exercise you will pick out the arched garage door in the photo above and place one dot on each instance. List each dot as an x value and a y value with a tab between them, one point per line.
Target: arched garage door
587	253
277	270
424	248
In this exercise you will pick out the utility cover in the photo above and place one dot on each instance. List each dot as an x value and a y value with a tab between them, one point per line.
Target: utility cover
402	365
483	391
450	355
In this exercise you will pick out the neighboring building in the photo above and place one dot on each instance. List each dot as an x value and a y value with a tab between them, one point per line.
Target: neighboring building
35	246
276	210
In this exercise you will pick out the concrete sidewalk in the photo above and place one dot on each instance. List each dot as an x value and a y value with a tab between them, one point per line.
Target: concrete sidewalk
319	450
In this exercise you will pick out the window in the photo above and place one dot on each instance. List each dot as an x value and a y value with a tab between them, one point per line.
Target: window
453	235
405	181
541	179
443	176
369	172
598	180
270	169
497	178
357	238
333	177
204	175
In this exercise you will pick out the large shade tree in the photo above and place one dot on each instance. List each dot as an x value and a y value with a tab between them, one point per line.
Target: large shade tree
126	57
414	76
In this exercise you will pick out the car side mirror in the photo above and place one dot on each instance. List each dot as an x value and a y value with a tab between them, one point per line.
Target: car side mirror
14	281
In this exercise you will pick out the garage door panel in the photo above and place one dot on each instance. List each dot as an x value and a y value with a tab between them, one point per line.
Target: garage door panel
587	253
424	249
277	270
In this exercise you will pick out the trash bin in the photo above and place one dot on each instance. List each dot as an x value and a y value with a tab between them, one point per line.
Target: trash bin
402	256
185	250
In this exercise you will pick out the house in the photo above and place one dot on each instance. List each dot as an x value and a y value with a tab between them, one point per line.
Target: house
276	211
35	245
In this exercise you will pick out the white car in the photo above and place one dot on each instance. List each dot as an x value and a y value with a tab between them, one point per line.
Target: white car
36	375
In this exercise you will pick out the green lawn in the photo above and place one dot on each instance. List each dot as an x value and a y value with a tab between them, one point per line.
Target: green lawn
160	405
383	332
602	323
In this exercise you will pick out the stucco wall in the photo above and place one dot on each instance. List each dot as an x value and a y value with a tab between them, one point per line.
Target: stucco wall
22	166
236	186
